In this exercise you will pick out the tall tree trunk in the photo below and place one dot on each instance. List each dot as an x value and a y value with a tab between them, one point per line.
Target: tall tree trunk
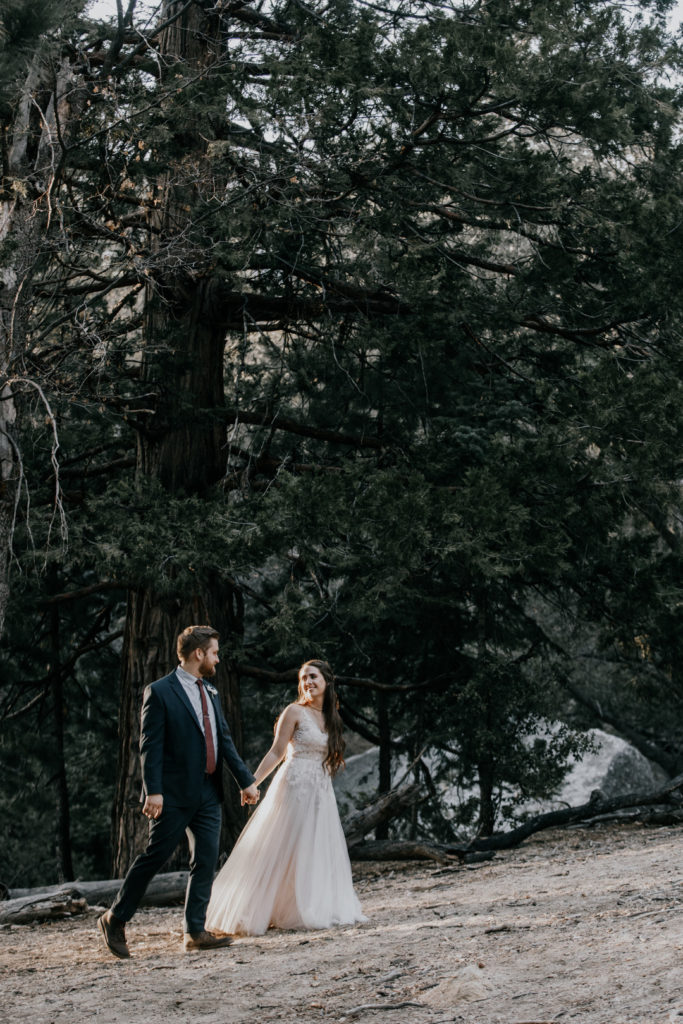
179	447
485	766
63	829
8	492
487	813
417	750
382	830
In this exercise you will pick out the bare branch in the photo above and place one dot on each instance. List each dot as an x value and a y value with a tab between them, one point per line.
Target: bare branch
58	506
75	595
265	418
290	675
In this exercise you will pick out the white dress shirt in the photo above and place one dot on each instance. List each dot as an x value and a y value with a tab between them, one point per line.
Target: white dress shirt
189	684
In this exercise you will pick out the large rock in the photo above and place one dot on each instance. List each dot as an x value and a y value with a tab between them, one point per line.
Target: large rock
615	767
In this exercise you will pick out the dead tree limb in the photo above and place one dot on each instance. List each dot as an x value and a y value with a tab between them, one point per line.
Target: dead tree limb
42	907
359	823
388	849
598	808
289	676
163	891
658	814
400	849
597	805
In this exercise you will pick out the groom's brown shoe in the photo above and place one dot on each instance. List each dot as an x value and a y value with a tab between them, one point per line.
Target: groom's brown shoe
114	935
205	940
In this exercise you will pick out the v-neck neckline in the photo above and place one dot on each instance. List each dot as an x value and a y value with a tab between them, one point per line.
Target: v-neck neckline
320	729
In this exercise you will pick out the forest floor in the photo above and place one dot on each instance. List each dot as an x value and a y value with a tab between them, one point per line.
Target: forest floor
575	925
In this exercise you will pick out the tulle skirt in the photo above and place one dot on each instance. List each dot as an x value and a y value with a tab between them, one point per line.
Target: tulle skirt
290	866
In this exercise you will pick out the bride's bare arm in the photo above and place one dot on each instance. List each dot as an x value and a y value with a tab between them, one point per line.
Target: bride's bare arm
284	731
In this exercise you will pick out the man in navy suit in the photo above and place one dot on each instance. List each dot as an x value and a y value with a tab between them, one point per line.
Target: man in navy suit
184	739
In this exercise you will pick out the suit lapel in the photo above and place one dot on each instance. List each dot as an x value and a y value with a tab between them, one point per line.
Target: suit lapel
179	691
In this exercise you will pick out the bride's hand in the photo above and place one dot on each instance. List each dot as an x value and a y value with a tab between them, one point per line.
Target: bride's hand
250	795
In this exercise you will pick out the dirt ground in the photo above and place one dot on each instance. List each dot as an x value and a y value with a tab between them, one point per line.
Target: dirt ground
576	925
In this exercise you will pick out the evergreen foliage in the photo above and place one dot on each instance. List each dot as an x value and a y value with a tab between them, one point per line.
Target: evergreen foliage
440	245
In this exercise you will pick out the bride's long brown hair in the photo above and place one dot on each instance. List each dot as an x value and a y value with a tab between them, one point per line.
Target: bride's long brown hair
333	723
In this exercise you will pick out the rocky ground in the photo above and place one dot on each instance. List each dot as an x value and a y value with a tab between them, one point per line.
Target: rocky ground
577	925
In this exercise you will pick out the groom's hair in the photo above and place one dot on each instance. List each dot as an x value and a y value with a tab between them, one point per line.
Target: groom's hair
193	637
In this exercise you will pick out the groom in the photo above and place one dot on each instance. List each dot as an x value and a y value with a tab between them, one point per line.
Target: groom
183	740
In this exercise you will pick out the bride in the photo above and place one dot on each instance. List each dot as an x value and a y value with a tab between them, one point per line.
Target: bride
290	867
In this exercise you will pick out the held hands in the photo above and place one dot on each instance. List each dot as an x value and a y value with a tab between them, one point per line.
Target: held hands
250	795
153	805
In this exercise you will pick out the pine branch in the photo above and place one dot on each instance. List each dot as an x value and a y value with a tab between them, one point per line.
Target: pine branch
76	595
263	418
290	675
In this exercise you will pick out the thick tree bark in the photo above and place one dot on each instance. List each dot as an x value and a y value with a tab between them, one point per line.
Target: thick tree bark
179	446
180	449
26	905
408	849
416	753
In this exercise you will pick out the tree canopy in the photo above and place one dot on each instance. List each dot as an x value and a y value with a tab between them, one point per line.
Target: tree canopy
358	328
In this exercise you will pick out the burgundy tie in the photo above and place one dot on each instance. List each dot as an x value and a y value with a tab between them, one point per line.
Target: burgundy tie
208	735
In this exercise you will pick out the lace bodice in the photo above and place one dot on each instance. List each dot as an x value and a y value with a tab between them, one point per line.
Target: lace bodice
309	739
306	752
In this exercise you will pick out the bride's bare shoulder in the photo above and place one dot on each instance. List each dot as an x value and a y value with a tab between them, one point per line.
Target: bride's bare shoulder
290	719
292	713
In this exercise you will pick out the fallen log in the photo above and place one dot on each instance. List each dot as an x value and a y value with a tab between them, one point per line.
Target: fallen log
26	905
388	849
163	891
646	807
597	805
42	907
357	825
658	814
406	849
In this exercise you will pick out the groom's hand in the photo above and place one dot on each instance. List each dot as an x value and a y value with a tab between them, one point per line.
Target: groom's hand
153	805
250	795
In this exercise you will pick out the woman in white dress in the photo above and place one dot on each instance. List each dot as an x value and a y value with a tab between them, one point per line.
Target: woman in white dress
290	866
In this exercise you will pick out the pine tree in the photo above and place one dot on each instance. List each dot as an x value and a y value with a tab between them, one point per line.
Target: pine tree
435	252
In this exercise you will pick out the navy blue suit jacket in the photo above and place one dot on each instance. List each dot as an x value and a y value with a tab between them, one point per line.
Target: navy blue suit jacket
172	745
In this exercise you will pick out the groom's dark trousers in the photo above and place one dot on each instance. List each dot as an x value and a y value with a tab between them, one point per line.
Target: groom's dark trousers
173	756
202	822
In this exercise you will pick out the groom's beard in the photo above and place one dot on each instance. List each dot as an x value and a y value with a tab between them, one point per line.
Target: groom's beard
205	669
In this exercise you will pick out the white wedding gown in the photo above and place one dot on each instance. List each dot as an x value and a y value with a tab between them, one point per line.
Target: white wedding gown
290	866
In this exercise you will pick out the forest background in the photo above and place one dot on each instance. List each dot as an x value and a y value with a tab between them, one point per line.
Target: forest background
355	330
